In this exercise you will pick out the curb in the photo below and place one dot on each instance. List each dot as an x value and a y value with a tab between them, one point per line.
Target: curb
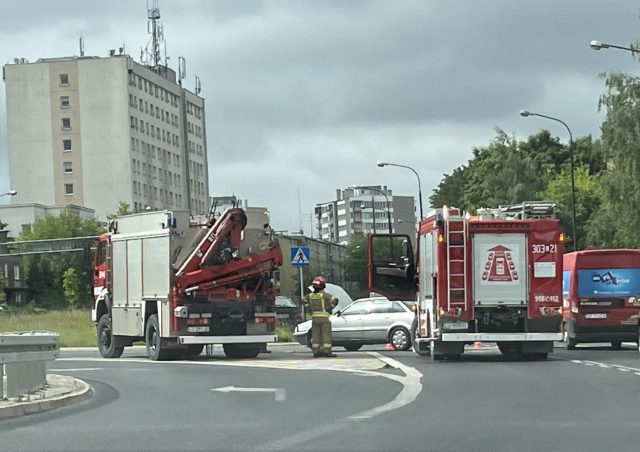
81	391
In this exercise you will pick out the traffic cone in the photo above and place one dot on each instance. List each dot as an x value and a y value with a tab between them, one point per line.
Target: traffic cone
477	345
389	347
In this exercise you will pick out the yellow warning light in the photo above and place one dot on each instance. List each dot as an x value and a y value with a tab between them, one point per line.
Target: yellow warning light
440	238
562	237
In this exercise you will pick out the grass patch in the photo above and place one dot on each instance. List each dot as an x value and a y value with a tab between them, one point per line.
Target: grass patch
74	325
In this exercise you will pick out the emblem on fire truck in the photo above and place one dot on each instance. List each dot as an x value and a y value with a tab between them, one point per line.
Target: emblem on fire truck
499	266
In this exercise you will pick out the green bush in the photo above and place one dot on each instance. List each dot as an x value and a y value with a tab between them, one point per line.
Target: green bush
285	333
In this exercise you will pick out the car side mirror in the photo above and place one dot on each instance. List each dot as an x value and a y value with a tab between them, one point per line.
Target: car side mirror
338	313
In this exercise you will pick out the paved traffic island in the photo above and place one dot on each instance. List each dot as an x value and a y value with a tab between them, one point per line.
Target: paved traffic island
59	391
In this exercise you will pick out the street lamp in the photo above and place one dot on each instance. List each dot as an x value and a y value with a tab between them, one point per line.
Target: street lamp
9	193
361	187
597	45
381	164
525	113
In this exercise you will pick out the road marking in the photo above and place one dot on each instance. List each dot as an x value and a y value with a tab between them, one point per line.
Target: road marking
635	370
79	369
411	387
279	393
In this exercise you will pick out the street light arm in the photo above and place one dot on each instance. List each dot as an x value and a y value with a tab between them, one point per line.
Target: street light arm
381	164
597	45
526	113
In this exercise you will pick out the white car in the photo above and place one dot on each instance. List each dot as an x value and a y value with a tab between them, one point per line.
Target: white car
366	321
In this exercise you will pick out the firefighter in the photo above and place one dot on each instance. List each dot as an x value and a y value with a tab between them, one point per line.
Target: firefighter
320	304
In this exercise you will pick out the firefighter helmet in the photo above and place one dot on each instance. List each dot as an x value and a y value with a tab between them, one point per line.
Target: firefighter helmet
319	283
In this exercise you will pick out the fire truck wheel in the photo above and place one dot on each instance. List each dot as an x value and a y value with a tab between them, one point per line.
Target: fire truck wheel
400	339
106	342
240	351
616	345
155	350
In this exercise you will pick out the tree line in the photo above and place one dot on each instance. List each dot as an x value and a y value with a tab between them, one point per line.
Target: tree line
606	170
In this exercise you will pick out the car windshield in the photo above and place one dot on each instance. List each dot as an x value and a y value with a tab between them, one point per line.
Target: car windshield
285	302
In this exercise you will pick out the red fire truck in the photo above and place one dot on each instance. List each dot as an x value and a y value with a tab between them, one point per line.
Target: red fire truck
601	290
178	284
494	277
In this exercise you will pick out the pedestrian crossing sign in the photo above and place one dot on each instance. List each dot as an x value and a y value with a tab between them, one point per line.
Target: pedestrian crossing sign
300	256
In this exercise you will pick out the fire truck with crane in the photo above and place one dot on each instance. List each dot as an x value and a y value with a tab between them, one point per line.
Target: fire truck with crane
492	277
179	284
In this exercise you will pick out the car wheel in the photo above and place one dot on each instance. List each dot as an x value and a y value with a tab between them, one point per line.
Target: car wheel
353	347
400	339
309	339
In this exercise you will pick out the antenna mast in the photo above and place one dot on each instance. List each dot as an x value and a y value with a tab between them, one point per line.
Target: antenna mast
153	14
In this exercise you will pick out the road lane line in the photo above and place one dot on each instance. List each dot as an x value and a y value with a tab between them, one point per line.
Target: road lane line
411	387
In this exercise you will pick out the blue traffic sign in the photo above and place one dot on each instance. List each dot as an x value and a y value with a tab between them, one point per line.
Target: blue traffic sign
300	256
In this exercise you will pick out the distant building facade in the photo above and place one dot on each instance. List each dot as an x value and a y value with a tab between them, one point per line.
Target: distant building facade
364	210
19	216
95	132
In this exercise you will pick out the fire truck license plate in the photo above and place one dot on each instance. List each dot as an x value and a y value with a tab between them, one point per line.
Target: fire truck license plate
596	316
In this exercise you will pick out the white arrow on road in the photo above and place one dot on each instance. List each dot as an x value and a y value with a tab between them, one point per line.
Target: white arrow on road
279	393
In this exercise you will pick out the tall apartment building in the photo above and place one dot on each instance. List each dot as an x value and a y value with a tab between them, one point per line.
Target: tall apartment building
364	210
95	132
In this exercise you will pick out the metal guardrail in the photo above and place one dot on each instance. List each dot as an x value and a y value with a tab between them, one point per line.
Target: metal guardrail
22	361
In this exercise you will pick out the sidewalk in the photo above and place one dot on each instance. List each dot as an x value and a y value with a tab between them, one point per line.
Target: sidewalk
59	391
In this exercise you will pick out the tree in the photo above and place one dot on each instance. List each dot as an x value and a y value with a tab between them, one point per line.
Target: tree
3	295
72	286
44	272
123	209
450	190
616	223
501	173
355	263
588	200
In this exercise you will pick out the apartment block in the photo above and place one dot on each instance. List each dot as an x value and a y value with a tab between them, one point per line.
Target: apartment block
95	132
364	210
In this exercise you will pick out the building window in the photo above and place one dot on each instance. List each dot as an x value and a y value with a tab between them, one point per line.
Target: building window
67	167
64	102
64	79
66	123
16	272
66	145
6	271
68	189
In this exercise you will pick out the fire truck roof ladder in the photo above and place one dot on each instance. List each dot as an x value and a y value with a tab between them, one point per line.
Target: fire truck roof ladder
456	235
522	211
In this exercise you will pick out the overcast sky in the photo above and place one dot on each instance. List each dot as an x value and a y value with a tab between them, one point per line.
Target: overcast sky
305	96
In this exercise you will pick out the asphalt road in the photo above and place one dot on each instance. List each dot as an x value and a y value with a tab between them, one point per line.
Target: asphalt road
582	400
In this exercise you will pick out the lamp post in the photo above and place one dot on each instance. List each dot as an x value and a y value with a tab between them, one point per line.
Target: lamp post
597	45
9	193
362	187
525	113
381	164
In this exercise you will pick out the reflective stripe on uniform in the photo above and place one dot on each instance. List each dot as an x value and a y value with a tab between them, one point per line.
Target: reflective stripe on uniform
319	314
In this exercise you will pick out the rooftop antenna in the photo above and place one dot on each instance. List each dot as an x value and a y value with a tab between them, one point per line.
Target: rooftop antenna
81	46
182	69
152	54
